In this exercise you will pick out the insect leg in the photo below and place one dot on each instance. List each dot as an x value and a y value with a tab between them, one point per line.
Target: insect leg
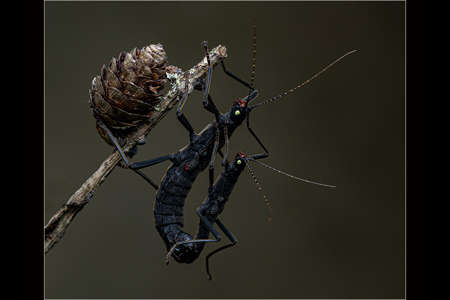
235	77
225	133
213	156
206	97
225	230
150	162
210	228
113	139
129	165
229	235
210	101
259	141
136	165
155	186
180	115
258	156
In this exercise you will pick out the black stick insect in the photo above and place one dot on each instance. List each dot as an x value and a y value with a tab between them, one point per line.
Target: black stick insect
214	204
195	157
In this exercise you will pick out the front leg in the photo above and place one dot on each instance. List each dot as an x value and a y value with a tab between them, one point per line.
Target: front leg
236	78
257	139
207	102
180	115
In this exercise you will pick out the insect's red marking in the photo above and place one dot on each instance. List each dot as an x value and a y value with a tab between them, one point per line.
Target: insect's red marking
239	101
240	154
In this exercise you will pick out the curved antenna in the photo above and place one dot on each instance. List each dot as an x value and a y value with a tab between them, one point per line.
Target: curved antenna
292	176
262	193
299	86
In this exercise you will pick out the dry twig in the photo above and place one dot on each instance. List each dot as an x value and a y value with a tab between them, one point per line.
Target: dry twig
58	224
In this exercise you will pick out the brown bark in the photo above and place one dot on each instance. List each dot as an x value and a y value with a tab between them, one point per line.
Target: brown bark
60	221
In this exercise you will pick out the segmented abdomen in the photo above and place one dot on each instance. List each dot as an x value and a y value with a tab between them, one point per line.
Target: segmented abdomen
171	197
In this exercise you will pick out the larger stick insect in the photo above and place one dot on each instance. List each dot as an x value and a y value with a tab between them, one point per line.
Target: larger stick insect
200	153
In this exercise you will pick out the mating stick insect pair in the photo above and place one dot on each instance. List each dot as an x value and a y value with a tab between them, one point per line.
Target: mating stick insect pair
190	161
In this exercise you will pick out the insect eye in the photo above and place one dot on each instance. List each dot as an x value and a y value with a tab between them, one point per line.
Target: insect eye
237	113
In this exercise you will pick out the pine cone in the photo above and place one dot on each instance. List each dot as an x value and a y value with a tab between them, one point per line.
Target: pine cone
126	93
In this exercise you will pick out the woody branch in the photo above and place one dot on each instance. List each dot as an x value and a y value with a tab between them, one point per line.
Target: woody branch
57	225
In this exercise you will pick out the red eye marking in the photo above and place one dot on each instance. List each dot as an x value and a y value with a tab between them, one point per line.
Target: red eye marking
239	101
241	154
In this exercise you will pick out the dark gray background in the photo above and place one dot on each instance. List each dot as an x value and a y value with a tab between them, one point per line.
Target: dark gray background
346	128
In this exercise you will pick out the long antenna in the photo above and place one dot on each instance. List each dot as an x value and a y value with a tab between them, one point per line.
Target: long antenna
259	187
292	176
254	62
254	52
299	86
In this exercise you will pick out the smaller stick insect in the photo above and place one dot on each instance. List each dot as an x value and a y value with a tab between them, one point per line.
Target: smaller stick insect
212	207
